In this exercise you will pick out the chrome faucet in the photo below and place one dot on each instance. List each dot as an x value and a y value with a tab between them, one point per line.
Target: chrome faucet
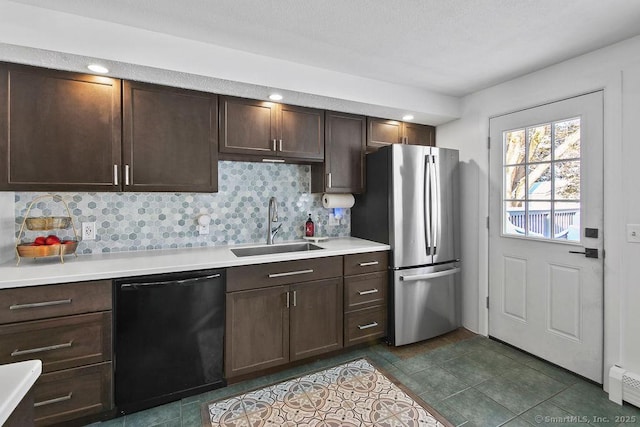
273	217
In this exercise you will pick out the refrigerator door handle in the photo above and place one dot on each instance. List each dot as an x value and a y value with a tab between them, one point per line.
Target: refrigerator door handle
435	204
427	203
430	275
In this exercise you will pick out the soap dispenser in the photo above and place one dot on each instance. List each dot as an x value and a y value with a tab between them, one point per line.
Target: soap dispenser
309	227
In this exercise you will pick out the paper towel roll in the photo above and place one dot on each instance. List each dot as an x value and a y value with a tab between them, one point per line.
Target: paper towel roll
330	201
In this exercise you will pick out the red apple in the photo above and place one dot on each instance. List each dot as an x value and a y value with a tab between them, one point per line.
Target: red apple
52	240
40	240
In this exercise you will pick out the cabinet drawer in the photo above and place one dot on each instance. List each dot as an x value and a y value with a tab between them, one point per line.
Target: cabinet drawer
41	302
282	273
365	263
365	290
72	393
364	325
60	343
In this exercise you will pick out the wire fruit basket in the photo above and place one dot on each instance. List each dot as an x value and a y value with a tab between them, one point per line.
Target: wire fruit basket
51	245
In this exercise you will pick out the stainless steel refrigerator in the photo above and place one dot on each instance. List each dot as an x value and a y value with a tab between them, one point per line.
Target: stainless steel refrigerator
411	203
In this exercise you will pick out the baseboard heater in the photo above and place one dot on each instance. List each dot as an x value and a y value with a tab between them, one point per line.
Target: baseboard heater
624	386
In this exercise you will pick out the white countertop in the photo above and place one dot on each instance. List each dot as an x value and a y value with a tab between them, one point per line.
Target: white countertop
16	379
124	264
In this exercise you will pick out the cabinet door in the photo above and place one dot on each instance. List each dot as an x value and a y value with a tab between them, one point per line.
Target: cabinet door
170	139
257	330
248	126
345	140
381	132
58	131
301	133
316	318
416	134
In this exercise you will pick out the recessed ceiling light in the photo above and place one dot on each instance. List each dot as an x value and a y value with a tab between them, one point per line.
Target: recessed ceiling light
98	68
407	117
275	97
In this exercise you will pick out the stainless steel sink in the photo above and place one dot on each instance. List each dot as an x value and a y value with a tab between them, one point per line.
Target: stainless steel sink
275	249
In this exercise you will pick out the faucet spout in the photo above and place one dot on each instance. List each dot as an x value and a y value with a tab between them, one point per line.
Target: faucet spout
271	218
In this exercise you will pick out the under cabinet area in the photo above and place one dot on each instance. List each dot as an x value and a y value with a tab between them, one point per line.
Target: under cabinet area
260	130
281	312
68	327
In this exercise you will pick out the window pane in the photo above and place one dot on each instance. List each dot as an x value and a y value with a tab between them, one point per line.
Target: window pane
567	139
540	181
567	180
566	220
539	219
514	182
514	144
514	218
539	143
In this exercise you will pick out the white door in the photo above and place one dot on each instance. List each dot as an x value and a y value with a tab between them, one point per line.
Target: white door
546	192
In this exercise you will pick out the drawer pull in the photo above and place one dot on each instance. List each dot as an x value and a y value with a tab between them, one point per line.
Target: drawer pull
54	400
17	352
39	304
367	264
290	273
369	292
370	325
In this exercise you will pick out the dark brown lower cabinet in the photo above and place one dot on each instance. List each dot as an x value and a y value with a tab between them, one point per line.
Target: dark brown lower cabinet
271	326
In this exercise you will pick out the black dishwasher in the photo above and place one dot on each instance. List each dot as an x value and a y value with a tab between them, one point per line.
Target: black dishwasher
169	335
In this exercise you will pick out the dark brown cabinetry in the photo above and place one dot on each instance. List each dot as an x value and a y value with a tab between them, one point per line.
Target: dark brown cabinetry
259	130
70	331
281	312
58	130
365	297
381	132
345	143
170	139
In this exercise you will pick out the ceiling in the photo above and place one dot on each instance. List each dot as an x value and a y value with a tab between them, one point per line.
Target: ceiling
451	47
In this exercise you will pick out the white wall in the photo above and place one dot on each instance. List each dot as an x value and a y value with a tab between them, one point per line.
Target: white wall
614	69
7	226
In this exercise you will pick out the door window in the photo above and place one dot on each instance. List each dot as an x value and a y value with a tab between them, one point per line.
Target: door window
541	181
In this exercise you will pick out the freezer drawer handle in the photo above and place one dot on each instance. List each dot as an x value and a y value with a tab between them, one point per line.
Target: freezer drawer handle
430	275
54	400
17	352
168	282
370	325
367	264
39	304
371	291
290	273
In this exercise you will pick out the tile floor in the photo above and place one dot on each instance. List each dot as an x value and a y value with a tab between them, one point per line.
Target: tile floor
469	379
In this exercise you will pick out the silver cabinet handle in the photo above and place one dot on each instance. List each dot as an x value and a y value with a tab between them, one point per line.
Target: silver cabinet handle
17	352
329	180
367	264
115	174
126	174
369	292
274	145
295	300
430	275
288	298
54	400
39	304
280	145
290	273
370	325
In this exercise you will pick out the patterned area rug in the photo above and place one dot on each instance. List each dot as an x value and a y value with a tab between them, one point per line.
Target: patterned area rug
353	394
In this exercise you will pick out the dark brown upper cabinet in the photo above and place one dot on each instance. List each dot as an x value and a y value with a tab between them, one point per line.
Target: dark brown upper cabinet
381	132
170	139
345	143
254	130
58	130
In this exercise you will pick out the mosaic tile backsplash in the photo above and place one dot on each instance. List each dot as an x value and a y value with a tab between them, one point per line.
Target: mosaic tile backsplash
147	221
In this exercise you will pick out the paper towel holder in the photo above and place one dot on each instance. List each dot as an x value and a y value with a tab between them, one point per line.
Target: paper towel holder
342	200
